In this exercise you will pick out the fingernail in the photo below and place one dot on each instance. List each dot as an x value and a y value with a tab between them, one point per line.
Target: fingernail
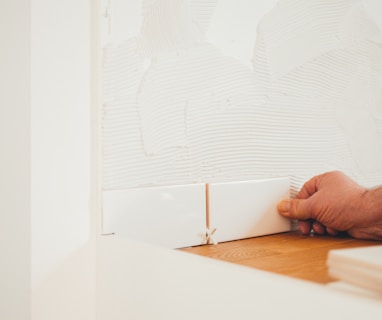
284	205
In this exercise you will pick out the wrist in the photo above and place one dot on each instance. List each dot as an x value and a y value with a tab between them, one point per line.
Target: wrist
371	206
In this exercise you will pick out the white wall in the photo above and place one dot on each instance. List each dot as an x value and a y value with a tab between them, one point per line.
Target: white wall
225	90
47	232
63	233
14	160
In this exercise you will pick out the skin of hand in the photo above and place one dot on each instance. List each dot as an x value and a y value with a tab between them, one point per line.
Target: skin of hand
332	203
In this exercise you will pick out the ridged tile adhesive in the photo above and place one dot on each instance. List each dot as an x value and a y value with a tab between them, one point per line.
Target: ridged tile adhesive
178	109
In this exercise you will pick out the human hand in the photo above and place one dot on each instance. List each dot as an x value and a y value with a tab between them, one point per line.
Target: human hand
332	202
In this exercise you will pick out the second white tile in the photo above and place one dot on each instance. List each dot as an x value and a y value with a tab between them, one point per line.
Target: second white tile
247	209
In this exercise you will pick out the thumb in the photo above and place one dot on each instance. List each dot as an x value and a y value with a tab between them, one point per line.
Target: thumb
299	209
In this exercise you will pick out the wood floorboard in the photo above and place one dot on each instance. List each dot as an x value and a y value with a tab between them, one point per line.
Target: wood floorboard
291	253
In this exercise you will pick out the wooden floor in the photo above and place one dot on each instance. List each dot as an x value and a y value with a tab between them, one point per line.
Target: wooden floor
289	253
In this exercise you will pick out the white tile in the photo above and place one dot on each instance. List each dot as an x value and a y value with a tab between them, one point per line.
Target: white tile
355	290
172	216
365	257
357	266
247	209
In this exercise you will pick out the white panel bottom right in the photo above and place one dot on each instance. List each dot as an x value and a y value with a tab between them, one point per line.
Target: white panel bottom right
247	209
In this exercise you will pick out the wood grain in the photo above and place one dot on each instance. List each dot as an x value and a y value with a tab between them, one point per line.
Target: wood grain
291	253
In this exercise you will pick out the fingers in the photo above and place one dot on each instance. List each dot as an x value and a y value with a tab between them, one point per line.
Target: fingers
295	209
309	188
332	232
318	228
305	226
300	209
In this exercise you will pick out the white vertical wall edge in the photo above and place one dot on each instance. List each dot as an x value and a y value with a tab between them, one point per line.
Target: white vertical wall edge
247	209
172	216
